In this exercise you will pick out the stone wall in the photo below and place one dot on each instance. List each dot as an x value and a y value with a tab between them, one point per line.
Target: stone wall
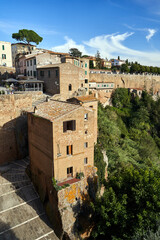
128	81
13	125
7	69
63	206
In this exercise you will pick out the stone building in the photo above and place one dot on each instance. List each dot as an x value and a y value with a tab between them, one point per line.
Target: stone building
5	54
63	78
40	59
21	48
61	138
81	63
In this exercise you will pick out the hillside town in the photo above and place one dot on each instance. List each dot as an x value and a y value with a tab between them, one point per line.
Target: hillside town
48	133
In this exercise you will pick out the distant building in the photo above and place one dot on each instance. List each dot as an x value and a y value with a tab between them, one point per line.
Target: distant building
37	60
117	62
63	78
21	48
5	54
61	139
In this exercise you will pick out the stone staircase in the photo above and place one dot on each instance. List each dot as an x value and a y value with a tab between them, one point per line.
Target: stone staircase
22	216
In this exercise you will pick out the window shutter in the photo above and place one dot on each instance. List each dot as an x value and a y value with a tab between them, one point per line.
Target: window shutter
74	125
64	126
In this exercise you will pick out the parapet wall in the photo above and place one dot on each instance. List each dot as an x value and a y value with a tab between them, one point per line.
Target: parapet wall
128	80
7	69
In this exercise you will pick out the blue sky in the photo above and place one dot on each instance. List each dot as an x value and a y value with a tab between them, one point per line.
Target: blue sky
127	28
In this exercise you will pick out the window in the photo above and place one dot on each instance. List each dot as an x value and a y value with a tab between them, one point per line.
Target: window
35	61
81	84
49	73
85	72
86	116
31	73
70	87
91	106
86	132
56	72
85	64
28	73
85	144
42	73
85	160
86	89
70	172
3	56
86	80
27	63
35	73
69	125
2	47
69	150
30	62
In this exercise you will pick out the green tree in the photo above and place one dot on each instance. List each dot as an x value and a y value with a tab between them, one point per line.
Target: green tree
124	68
121	98
75	52
130	204
27	36
91	66
98	60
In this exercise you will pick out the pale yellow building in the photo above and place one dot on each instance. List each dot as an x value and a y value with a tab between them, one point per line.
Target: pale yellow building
5	54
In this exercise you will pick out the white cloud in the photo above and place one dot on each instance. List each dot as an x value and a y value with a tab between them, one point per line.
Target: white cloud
69	44
150	31
111	46
151	34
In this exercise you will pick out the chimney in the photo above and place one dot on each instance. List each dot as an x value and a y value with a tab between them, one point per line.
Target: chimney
35	109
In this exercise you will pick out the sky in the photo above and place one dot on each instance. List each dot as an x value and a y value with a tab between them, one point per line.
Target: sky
127	28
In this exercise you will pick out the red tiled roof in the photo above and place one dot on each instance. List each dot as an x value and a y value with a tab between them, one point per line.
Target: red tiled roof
73	180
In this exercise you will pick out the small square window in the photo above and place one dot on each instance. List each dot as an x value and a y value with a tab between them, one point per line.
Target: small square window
85	160
86	145
70	172
69	150
86	116
3	56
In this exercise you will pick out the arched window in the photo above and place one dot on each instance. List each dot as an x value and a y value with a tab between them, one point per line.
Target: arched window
70	87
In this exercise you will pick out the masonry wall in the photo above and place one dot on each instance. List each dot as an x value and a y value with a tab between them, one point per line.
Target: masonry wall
94	106
13	125
52	82
128	81
75	138
70	74
40	138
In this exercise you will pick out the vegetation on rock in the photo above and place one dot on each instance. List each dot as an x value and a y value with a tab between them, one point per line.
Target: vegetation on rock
129	132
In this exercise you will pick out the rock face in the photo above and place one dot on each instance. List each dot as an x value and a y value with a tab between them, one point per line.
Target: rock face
63	206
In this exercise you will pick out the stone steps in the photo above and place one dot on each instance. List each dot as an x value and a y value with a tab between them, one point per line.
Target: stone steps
22	215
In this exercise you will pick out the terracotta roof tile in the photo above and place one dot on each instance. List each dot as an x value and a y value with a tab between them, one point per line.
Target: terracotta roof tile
87	98
54	109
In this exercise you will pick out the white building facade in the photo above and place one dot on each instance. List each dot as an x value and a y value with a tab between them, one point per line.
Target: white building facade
5	54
